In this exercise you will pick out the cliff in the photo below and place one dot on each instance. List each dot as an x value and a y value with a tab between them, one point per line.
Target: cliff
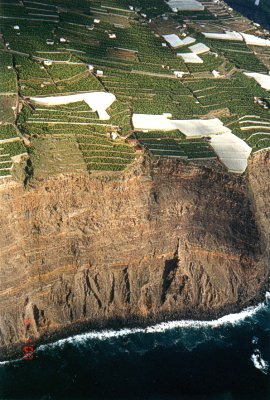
168	239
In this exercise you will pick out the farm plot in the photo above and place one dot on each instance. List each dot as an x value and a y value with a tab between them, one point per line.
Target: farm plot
8	132
37	79
97	46
8	77
137	68
256	130
237	53
92	150
259	140
151	9
7	108
10	153
237	94
175	148
153	94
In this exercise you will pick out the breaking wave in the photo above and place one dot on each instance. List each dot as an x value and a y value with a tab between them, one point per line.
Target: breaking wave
230	319
190	333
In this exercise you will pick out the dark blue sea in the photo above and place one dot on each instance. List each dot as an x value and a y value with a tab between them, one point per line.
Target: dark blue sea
255	13
225	359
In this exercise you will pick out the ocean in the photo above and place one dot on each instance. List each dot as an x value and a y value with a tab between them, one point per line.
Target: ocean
225	359
258	14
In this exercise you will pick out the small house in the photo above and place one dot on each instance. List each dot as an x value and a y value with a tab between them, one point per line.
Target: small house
114	135
216	73
47	62
178	74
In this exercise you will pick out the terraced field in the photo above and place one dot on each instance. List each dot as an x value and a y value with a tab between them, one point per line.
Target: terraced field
63	47
12	149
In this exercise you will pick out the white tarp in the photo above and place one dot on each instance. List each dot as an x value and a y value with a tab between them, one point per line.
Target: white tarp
186	5
173	40
232	151
188	40
189	127
224	36
255	40
143	122
262	79
249	39
97	101
199	48
200	127
190	58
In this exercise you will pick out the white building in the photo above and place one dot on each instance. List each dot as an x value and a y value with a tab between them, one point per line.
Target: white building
99	72
47	62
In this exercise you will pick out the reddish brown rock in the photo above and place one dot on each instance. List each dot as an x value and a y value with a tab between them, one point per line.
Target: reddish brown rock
168	239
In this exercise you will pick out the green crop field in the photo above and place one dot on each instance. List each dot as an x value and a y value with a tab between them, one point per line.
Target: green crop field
56	47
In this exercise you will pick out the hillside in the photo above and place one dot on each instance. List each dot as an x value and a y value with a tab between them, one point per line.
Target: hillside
134	172
106	47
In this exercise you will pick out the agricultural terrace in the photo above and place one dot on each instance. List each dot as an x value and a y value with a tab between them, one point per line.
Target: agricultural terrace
70	48
12	150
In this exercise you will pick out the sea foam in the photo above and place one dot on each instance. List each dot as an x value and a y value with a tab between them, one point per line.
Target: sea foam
259	362
230	320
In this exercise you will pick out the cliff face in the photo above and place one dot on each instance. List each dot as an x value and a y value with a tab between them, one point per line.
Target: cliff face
168	238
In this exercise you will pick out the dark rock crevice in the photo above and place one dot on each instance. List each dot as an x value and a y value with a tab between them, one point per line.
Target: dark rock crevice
171	238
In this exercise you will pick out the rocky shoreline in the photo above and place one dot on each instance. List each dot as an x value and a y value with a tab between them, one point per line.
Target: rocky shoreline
193	238
14	352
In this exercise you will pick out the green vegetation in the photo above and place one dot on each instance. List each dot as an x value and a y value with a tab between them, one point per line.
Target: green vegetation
8	132
136	67
191	148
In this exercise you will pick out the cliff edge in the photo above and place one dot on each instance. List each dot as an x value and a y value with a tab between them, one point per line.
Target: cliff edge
168	239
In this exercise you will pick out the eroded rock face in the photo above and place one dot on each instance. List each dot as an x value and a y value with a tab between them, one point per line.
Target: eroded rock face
167	239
